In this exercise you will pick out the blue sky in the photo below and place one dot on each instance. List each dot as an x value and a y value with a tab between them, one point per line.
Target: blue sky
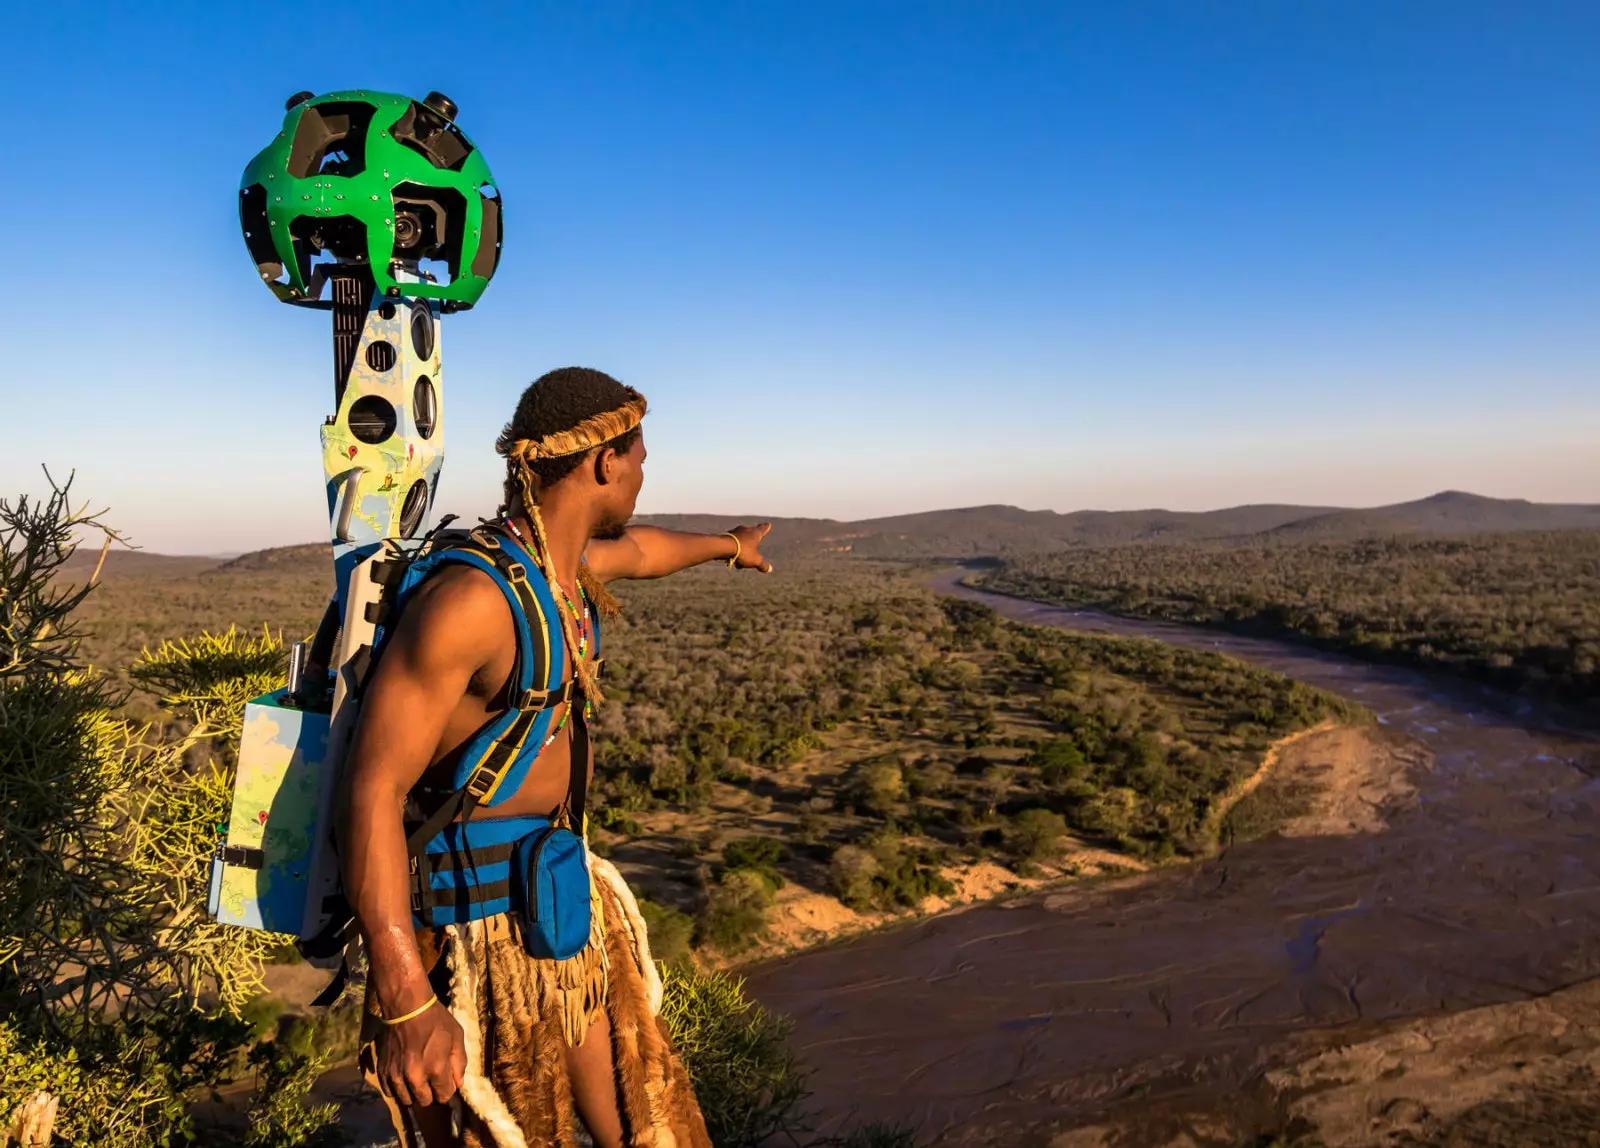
863	258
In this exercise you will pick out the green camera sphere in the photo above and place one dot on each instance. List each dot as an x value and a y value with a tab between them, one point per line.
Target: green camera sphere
374	179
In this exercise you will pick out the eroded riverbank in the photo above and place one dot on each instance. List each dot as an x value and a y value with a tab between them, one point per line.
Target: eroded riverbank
1010	1024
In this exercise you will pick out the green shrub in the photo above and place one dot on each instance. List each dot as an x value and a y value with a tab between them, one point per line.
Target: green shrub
334	1033
750	1086
931	780
279	1116
1110	813
759	855
907	883
852	871
878	786
670	931
261	1013
1036	835
735	914
1059	761
105	829
882	874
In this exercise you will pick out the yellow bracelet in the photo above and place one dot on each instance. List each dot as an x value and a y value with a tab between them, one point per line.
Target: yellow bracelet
738	548
414	1013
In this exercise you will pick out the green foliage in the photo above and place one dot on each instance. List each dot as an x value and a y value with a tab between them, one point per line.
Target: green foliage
749	1084
211	677
852	872
735	913
334	1032
279	1116
106	953
878	786
1521	610
1059	760
882	873
1036	835
123	1087
261	1013
671	932
758	855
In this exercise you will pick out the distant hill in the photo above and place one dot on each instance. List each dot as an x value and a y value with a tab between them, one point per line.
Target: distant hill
136	564
281	559
983	531
998	530
1454	512
1338	525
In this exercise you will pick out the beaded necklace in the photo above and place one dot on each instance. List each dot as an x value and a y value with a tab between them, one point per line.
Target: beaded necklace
582	622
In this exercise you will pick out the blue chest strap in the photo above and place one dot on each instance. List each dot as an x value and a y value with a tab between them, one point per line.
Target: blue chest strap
495	761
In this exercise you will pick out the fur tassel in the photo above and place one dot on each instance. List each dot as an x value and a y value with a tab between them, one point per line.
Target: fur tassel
607	873
477	1090
576	988
601	597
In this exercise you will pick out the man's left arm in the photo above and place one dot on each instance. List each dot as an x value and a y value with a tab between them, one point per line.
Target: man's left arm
654	552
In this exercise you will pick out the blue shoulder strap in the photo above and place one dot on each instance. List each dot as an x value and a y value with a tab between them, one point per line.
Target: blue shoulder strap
494	764
498	757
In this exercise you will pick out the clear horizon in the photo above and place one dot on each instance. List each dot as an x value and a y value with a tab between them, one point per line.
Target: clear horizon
864	259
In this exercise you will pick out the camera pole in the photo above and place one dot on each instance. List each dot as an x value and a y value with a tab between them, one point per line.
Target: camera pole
377	208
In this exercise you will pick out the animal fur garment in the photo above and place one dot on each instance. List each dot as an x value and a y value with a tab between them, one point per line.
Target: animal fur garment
518	1014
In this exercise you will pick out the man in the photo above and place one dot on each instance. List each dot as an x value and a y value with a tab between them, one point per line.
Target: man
464	1010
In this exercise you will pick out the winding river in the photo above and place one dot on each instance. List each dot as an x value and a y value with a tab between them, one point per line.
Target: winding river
1001	1023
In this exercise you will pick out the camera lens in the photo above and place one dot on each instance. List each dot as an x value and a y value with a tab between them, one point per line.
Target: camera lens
407	230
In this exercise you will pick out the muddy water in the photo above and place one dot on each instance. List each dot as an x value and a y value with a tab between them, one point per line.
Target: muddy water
1003	1023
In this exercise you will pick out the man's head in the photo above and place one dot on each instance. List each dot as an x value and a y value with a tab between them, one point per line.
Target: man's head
577	430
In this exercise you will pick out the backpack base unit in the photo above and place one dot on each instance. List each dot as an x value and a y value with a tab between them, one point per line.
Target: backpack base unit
276	868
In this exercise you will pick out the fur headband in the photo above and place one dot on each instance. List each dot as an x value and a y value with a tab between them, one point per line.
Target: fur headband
593	431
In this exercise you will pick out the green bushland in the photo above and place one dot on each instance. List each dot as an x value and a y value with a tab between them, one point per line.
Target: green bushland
118	996
836	700
116	992
930	718
1520	610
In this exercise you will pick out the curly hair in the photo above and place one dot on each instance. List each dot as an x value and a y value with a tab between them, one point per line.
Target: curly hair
558	401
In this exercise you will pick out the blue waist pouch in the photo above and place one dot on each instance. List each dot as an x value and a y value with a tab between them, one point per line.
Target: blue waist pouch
550	892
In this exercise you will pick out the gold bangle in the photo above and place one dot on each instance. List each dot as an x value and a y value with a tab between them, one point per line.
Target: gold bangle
738	548
414	1013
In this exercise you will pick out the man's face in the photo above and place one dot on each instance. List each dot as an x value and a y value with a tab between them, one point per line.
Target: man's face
622	493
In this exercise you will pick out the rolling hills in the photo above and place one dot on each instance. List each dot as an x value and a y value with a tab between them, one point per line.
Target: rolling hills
1003	531
981	531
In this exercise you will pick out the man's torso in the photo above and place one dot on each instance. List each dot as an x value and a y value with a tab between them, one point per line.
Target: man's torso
545	786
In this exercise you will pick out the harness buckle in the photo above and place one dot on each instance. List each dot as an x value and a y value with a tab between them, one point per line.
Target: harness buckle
481	782
516	571
533	699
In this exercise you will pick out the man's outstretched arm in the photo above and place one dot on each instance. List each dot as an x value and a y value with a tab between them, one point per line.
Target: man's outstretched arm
654	552
425	670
